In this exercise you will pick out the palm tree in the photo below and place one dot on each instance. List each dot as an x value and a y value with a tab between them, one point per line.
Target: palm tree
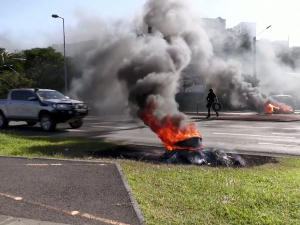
11	69
11	61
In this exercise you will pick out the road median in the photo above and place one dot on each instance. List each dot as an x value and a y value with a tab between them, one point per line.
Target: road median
247	117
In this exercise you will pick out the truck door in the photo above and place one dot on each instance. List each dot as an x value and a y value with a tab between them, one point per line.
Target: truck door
13	104
21	107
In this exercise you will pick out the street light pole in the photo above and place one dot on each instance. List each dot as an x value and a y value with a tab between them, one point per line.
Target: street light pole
65	60
254	59
254	53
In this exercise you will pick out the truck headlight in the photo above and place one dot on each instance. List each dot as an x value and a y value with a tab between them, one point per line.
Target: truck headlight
61	106
80	106
53	105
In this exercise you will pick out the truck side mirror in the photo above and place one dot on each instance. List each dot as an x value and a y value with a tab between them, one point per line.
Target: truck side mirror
32	99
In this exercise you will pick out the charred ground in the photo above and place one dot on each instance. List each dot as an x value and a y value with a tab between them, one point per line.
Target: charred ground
150	154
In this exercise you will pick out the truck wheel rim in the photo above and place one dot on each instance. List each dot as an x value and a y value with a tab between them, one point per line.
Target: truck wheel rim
1	120
46	123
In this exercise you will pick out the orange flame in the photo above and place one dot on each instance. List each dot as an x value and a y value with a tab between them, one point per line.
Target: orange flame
168	129
272	108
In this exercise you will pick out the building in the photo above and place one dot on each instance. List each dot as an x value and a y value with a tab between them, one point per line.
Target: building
191	90
248	28
216	24
191	81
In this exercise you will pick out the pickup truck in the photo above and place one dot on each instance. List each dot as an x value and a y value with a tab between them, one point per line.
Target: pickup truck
48	107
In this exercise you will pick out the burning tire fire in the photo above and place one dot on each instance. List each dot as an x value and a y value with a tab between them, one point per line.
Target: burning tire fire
173	131
183	141
273	108
191	143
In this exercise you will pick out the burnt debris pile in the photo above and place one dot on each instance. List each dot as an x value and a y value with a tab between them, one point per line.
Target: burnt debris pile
207	157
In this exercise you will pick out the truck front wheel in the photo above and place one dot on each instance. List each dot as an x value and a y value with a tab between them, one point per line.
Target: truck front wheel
3	121
76	124
47	123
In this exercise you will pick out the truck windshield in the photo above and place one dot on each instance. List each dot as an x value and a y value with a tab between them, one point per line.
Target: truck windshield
51	95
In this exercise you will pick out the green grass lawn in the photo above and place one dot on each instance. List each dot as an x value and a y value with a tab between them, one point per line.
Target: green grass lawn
187	194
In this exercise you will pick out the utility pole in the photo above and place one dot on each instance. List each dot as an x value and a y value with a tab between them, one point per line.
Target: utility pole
65	59
254	58
254	54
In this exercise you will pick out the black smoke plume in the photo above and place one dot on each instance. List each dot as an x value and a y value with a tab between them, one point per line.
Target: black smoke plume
127	65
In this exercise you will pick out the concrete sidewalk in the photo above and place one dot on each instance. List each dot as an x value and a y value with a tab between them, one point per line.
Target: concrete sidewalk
50	191
8	220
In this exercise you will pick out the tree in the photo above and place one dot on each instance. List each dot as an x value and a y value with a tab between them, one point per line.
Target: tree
37	67
12	71
46	67
11	61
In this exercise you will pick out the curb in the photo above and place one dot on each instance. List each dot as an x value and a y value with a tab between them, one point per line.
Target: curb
263	153
262	118
136	206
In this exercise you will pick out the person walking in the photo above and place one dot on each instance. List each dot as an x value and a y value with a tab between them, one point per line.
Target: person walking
211	99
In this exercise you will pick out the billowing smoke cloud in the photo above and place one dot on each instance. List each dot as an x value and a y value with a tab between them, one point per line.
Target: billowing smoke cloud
10	43
228	77
273	71
136	67
123	69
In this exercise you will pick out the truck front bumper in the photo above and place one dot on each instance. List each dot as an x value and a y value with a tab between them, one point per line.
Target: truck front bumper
62	116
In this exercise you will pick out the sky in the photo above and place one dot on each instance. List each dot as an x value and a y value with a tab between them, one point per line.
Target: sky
26	24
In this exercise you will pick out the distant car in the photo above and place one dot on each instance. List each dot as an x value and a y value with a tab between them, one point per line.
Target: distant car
286	99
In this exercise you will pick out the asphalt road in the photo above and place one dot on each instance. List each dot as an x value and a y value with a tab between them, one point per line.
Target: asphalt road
63	191
261	137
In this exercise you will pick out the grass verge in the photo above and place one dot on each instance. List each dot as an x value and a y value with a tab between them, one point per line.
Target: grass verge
178	194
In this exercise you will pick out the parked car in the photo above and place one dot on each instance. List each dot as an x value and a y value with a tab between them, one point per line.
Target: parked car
286	99
48	107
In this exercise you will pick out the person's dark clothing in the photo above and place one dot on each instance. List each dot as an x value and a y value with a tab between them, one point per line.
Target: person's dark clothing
211	97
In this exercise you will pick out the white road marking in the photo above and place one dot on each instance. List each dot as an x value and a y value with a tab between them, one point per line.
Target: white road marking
285	134
44	164
251	127
113	127
247	127
74	213
7	220
291	128
252	135
283	145
73	130
16	198
102	123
